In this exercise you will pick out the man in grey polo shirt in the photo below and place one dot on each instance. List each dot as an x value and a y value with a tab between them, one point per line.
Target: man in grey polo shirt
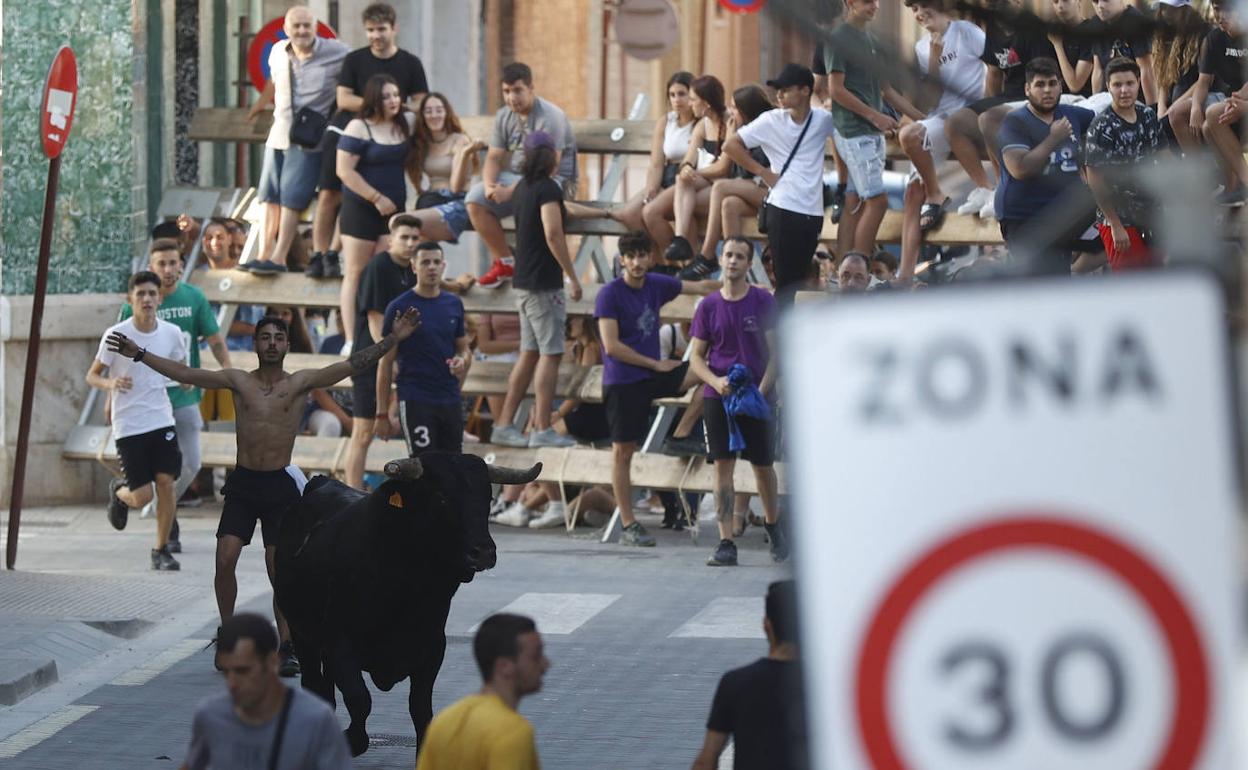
490	199
289	175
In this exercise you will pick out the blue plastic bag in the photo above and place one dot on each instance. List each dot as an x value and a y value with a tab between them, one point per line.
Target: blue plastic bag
745	399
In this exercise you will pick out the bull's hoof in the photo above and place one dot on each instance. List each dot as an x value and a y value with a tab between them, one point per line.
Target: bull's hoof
407	468
357	740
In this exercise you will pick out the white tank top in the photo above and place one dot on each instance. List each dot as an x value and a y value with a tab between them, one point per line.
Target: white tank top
676	138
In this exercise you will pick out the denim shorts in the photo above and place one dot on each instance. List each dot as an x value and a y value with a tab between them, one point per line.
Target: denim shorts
454	214
864	159
543	316
289	177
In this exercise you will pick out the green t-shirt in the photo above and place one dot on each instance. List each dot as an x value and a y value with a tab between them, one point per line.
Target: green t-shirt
847	50
187	309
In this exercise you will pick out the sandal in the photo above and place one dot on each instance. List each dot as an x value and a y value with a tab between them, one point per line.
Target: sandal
932	215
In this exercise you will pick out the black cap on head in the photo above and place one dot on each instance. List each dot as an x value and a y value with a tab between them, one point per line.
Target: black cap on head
793	75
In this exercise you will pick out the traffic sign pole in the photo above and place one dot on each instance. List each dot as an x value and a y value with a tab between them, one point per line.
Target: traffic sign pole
59	95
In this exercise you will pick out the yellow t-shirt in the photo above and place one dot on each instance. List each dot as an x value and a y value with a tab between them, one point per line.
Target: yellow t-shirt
480	732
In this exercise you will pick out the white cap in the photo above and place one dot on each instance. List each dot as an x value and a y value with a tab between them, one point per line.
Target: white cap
1176	3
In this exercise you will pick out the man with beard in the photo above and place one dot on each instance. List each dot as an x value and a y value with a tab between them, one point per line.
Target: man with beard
269	402
1039	157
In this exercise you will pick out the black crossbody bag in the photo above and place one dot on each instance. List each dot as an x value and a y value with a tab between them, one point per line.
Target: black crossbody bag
281	729
307	126
762	209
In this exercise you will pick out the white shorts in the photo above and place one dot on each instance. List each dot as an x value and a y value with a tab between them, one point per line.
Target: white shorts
935	141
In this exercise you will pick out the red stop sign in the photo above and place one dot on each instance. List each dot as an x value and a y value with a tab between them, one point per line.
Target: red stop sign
60	94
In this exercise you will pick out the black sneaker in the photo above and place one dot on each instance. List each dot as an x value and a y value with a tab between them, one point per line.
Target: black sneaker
678	250
289	665
266	267
779	542
838	204
701	269
163	561
725	555
333	265
175	537
635	534
684	447
316	266
118	512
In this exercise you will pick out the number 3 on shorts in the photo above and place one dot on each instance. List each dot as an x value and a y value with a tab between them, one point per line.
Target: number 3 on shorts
420	436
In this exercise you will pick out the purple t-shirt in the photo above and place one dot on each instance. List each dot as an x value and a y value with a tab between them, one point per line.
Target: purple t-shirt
735	332
637	312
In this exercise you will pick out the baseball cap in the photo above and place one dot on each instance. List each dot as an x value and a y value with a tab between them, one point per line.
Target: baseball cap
537	139
793	75
1176	3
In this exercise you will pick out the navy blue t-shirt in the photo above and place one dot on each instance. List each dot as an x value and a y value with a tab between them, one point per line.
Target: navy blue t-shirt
423	372
1024	198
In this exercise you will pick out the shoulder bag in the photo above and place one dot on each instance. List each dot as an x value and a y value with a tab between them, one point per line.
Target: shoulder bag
762	208
276	752
307	126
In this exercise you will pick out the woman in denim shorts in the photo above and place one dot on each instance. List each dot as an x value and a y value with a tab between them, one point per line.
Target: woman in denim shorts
445	155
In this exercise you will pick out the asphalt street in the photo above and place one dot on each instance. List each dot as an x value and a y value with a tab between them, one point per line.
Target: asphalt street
638	639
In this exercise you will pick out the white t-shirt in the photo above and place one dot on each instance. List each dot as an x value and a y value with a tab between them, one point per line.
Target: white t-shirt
145	406
961	70
676	138
800	189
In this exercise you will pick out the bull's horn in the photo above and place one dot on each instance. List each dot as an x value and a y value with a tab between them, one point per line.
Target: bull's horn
500	474
407	468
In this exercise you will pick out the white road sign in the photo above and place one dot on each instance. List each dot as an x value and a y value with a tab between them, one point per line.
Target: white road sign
1015	526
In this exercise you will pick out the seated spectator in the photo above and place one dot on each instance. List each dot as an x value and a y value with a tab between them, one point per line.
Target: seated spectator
1071	36
330	409
949	54
445	155
300	340
1121	142
216	246
854	272
1177	39
1125	32
760	707
238	238
523	113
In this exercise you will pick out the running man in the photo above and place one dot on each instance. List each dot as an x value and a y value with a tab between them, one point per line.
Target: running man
269	402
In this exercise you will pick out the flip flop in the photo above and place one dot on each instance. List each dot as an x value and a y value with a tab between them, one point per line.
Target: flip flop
932	215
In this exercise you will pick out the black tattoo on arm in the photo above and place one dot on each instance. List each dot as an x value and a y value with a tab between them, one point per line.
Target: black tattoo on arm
369	356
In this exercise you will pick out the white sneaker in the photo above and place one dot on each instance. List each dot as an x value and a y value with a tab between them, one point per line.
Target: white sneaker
515	516
148	511
346	349
552	517
549	437
509	435
989	211
471	438
976	200
497	507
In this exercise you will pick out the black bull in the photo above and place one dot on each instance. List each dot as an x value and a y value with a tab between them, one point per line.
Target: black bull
365	581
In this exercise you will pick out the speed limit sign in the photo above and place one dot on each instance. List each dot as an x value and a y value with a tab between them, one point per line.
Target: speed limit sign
1016	526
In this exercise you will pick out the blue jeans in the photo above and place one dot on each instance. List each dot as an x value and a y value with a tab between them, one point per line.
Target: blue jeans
288	177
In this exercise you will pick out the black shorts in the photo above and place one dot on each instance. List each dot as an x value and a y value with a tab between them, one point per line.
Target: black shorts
988	102
587	423
364	394
329	162
628	405
258	495
759	435
360	219
431	427
146	454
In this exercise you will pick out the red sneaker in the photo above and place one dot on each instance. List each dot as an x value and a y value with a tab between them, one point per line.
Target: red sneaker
499	271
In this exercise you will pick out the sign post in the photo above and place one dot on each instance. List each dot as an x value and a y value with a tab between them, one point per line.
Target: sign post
60	93
1016	526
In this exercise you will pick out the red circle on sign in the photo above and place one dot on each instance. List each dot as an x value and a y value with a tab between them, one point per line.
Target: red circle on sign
60	96
743	6
1187	655
260	45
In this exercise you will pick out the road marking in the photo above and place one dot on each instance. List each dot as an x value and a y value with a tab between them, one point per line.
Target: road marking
558	613
727	617
160	663
45	728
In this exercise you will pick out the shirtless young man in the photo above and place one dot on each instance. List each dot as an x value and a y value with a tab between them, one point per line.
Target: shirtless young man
269	402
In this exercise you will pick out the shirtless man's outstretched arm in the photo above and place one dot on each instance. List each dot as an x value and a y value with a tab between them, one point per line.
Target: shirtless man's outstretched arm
174	370
404	326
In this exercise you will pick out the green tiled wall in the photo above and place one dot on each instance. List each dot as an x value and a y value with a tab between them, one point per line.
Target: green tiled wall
101	219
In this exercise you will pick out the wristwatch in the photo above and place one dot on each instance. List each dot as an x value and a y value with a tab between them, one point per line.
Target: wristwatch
138	357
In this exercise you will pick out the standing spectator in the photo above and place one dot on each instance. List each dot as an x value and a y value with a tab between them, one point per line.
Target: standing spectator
730	200
760	706
483	731
1125	32
794	138
442	152
701	165
858	95
736	325
1040	156
1215	115
523	113
302	74
634	371
371	154
1013	37
259	720
948	55
432	363
382	56
1071	36
1121	141
388	275
541	264
185	307
143	424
